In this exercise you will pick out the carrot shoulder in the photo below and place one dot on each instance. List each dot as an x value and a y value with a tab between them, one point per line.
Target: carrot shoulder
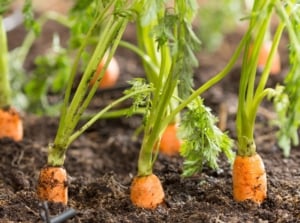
146	191
53	185
110	76
249	179
11	124
170	143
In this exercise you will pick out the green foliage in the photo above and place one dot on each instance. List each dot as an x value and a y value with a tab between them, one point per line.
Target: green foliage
81	5
17	80
164	32
148	10
142	100
217	18
287	99
287	129
202	140
49	77
252	88
190	61
287	105
29	20
4	6
81	21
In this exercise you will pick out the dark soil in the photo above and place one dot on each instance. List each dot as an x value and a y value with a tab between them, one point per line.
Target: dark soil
102	162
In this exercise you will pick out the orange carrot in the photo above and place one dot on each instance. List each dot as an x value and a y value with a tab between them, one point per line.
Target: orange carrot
263	57
170	143
53	184
11	124
146	191
110	76
249	179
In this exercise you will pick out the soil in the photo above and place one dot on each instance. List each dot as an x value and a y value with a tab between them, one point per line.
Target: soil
102	162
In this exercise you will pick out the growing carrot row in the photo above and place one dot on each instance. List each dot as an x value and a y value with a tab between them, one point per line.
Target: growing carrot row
166	45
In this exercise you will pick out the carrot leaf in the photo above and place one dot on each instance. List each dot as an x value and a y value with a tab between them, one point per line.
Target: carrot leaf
50	76
29	20
4	6
203	141
142	100
287	105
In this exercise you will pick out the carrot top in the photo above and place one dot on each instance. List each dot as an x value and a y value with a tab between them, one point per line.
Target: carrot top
112	28
167	45
287	102
251	95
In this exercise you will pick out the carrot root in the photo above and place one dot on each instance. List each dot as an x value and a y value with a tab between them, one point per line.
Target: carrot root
146	191
170	143
263	56
110	76
53	185
249	179
11	125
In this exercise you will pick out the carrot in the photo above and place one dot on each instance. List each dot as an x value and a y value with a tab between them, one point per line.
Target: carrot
110	76
263	57
249	179
170	143
11	124
146	191
53	184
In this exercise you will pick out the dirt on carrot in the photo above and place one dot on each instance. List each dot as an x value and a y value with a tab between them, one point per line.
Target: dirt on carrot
53	185
249	179
110	76
170	143
146	191
11	125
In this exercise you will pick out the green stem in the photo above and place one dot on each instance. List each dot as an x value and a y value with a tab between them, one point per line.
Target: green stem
71	114
64	123
146	59
265	74
257	101
57	151
208	84
102	113
248	75
252	59
72	111
247	109
292	35
154	127
5	90
120	28
148	45
115	114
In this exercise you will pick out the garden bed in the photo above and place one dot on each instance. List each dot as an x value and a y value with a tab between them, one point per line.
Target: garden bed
102	162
